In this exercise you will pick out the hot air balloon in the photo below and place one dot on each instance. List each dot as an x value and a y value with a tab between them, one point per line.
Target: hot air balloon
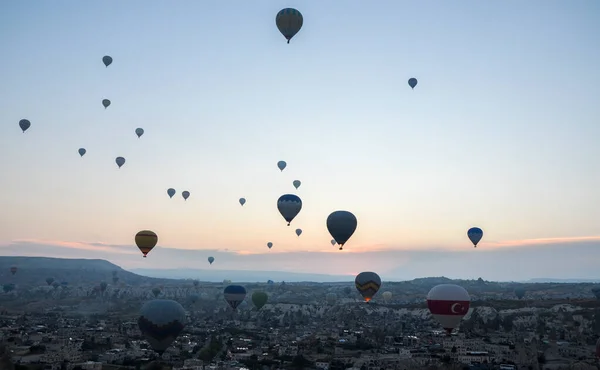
289	22
520	292
341	226
13	270
242	201
298	232
120	161
49	281
145	241
270	245
412	82
139	132
156	291
161	321
82	151
475	234
297	184
196	283
448	304
259	299
333	242
367	283
234	295
289	205
170	192
281	165
331	298
107	60
24	124
387	296
105	103
185	194
211	260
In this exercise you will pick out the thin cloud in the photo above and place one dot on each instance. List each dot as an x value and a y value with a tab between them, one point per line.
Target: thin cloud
541	241
83	246
516	260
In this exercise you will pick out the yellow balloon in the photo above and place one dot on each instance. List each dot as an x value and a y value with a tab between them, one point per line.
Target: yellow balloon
146	240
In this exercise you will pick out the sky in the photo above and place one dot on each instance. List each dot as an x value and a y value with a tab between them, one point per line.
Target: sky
500	133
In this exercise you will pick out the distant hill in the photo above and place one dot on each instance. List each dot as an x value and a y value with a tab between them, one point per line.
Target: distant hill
565	281
35	270
241	275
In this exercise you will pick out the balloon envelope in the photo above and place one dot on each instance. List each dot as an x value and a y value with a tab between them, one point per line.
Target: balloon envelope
234	295
297	183
341	226
170	192
161	321
139	132
120	161
82	151
107	60
367	283
387	296
105	103
281	165
289	205
289	21
13	270
412	82
333	242
448	304
24	124
270	245
211	260
475	234
146	240
242	201
259	299
298	232
185	194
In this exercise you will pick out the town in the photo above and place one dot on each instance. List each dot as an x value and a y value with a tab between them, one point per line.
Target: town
74	326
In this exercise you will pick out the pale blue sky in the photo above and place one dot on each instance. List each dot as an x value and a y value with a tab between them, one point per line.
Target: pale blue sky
501	131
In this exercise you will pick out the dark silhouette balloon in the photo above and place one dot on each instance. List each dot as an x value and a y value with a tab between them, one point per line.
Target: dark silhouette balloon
24	124
341	226
107	60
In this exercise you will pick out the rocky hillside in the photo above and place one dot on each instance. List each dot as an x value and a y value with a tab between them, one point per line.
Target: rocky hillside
34	271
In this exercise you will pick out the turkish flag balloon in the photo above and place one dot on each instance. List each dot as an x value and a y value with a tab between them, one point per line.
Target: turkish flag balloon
448	304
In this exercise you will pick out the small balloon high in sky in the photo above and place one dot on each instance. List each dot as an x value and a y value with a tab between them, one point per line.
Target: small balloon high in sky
289	22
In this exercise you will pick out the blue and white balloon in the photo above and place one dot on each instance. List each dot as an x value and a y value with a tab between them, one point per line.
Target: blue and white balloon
234	295
475	234
289	205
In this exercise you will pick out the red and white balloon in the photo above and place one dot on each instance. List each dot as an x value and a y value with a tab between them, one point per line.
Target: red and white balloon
448	304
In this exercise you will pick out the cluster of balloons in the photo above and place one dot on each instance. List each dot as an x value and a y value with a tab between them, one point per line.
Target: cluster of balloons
447	303
171	192
25	124
161	321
